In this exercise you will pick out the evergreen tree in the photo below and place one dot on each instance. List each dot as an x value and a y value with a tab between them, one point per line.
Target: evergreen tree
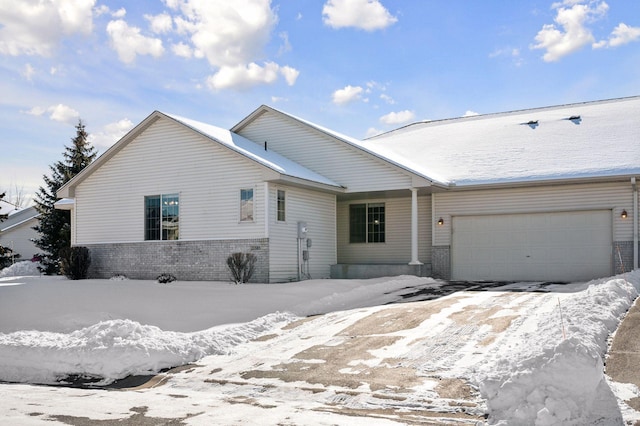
54	225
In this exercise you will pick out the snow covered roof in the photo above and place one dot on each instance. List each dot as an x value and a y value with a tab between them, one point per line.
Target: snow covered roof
584	140
18	218
7	208
254	151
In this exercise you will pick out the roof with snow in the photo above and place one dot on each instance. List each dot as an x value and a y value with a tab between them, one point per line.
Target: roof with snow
584	140
18	218
254	151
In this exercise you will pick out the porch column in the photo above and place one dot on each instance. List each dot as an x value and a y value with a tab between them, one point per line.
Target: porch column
414	227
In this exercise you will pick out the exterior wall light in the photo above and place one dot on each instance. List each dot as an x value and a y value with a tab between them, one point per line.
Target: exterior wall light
623	215
440	222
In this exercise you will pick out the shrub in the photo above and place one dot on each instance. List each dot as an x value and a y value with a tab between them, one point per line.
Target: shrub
75	262
166	278
241	266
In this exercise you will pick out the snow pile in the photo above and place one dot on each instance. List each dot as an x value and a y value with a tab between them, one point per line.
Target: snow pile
112	350
21	269
549	381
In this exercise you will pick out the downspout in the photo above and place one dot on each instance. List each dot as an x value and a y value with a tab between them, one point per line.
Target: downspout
635	222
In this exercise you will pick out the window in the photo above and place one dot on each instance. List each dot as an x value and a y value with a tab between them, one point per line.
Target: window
280	205
366	223
246	205
161	217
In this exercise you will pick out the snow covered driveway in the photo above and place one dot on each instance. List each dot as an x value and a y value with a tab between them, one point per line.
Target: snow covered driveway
505	356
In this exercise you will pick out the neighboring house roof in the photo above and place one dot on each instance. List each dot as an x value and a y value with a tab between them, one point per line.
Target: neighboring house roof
7	208
18	218
245	147
584	140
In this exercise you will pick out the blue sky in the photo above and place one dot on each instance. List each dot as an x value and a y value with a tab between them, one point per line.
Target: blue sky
356	66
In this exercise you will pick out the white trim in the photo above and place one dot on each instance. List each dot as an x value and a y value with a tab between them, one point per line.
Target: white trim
266	209
414	228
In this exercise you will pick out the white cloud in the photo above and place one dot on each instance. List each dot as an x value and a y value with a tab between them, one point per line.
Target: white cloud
63	114
368	15
470	113
28	72
290	74
129	43
574	33
36	28
37	111
110	133
120	13
161	23
622	34
388	99
226	33
246	76
347	94
399	117
286	45
182	50
372	131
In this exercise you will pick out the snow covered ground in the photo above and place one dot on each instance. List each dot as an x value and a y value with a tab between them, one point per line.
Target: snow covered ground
511	354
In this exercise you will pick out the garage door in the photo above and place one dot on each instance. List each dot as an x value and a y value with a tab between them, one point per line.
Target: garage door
560	246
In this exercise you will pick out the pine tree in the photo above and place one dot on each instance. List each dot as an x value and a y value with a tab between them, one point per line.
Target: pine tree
54	225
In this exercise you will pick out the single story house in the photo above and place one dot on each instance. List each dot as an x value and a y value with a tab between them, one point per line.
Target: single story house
544	194
17	233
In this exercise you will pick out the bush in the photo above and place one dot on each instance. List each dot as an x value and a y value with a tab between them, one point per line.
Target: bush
166	278
75	262
241	266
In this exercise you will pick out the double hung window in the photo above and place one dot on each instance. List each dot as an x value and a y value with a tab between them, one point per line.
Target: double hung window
367	223
280	205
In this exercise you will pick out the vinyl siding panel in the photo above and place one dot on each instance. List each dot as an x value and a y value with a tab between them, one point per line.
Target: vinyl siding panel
614	196
323	154
164	159
318	210
397	246
18	239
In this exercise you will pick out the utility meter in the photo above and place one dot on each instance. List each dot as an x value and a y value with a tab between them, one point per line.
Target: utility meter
302	230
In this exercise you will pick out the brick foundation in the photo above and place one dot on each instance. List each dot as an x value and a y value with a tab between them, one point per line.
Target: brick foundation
186	260
441	262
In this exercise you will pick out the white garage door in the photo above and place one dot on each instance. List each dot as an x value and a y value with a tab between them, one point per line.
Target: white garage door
560	246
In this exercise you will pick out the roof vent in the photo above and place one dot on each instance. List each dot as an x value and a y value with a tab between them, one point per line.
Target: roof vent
575	119
531	123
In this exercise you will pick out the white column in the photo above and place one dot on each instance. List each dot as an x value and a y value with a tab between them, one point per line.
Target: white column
414	228
266	209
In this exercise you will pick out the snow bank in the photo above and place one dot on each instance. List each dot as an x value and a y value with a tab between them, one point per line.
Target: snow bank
547	381
21	269
111	350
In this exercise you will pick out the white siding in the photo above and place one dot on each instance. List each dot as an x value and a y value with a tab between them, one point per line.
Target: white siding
397	246
614	196
318	210
18	239
167	158
323	154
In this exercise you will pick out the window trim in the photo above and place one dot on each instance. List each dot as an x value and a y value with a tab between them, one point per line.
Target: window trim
250	218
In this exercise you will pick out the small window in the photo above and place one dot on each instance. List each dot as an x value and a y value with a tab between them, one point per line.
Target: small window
367	223
162	217
280	205
246	205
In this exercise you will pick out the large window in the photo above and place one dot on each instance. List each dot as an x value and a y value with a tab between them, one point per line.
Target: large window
161	217
280	206
246	205
366	223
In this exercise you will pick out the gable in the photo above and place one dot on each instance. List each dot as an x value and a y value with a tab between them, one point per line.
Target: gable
342	162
